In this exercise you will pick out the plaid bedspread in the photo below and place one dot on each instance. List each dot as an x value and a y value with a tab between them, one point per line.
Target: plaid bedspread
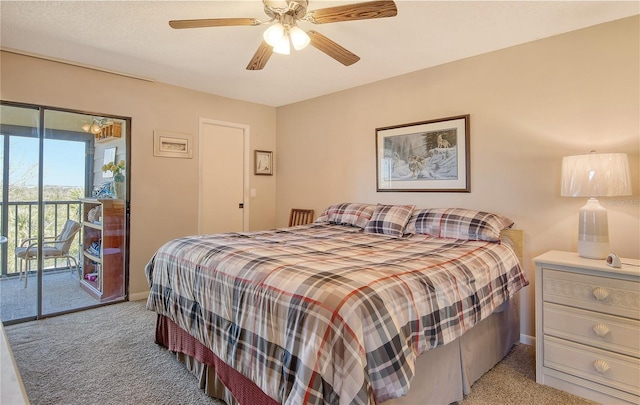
328	314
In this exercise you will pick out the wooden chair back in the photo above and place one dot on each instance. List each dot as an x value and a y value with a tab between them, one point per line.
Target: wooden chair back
300	217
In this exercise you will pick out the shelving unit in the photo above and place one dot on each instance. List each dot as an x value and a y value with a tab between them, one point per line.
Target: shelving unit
109	132
103	271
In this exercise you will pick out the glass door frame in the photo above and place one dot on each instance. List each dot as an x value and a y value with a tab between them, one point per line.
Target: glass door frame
41	110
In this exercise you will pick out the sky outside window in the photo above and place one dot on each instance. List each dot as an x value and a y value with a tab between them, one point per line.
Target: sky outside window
64	162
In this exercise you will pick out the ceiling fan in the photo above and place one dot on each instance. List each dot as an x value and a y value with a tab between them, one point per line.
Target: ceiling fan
284	30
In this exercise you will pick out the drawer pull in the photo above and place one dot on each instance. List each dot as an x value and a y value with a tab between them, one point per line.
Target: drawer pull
601	366
600	293
601	330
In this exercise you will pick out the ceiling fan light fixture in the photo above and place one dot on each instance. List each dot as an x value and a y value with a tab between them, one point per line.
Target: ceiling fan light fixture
283	47
283	30
274	34
299	38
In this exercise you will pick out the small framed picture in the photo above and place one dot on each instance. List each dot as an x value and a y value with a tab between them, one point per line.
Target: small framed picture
172	144
264	162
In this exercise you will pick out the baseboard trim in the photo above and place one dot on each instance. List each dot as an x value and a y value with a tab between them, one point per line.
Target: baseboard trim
527	340
139	296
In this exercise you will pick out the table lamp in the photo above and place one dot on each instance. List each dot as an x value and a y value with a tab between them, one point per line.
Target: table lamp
595	175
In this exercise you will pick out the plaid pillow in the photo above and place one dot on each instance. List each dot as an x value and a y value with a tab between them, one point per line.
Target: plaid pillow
458	223
390	219
353	214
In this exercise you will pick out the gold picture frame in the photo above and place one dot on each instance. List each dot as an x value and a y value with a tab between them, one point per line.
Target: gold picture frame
423	156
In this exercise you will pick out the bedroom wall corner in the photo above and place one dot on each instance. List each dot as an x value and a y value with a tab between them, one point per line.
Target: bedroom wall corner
530	105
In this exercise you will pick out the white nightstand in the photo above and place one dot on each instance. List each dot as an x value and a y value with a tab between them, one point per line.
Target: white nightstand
588	327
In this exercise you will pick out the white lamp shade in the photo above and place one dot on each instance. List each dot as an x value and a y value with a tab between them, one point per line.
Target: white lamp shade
282	46
299	38
596	175
274	34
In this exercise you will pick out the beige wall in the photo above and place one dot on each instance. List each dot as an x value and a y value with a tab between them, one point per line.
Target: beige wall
530	105
164	191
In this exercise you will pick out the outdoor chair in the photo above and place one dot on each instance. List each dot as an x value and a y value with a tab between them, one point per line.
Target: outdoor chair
55	247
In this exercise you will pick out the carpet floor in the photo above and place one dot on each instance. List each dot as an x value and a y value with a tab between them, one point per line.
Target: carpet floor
107	356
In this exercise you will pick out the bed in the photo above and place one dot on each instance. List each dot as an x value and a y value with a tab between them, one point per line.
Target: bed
346	310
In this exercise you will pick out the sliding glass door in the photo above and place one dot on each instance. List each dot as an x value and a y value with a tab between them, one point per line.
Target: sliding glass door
20	208
60	204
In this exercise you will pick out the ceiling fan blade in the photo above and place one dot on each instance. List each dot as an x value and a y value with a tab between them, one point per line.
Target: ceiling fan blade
261	57
332	49
350	12
213	22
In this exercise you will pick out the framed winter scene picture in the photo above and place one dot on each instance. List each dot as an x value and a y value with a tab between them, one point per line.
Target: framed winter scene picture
424	156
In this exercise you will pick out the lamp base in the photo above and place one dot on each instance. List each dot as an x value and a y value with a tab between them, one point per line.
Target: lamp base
593	232
593	250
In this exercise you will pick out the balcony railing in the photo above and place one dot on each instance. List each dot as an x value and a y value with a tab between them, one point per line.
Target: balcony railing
21	222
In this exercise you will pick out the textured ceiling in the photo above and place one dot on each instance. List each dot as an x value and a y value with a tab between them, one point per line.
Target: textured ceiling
134	38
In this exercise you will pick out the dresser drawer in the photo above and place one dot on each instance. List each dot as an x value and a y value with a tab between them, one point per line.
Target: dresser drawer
611	296
610	369
607	332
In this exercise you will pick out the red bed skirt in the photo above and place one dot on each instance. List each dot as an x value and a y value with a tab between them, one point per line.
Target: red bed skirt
245	391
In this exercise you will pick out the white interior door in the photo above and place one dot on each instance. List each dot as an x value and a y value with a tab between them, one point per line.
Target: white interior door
223	172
